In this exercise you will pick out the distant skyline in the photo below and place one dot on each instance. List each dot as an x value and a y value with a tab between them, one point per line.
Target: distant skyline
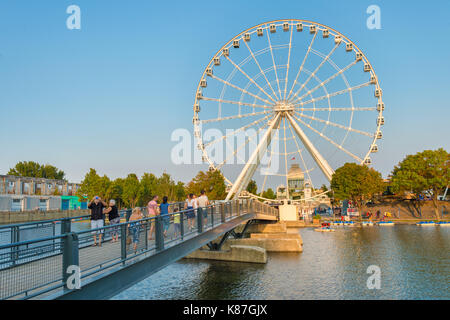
109	96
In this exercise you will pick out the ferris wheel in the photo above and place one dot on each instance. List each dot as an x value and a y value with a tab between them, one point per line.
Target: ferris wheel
290	91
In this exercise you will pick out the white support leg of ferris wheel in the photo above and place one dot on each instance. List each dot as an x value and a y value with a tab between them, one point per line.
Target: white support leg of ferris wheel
253	162
321	162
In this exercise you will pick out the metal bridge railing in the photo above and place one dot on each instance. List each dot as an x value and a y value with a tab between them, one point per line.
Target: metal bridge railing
13	233
36	267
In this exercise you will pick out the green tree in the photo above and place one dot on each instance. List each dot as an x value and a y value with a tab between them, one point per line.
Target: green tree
166	186
180	191
252	187
147	188
324	188
357	183
212	181
269	194
51	172
130	190
35	170
115	191
426	171
93	185
56	192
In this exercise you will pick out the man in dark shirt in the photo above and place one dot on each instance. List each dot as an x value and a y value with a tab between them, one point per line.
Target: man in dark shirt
96	205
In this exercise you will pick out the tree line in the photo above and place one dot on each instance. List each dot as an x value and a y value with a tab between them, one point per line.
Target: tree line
424	173
36	170
132	191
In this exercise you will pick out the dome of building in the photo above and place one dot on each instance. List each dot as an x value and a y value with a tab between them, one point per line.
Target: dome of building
295	172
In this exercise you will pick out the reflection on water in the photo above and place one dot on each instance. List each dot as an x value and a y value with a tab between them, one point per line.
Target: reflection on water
414	262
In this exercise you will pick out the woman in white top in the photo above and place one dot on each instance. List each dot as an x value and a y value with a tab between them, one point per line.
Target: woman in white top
203	202
190	205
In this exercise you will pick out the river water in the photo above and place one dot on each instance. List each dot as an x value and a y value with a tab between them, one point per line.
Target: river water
414	263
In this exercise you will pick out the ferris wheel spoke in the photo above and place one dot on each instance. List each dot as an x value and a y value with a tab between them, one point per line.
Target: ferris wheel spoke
254	160
253	105
338	146
337	109
301	66
318	158
288	63
301	156
335	125
282	153
334	94
249	78
274	65
285	157
238	116
269	165
260	69
240	89
251	124
317	69
242	145
328	80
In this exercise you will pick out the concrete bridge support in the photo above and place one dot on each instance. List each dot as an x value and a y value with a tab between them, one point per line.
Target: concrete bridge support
253	243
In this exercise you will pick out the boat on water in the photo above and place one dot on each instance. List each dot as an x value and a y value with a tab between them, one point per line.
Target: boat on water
324	228
443	223
349	223
337	223
367	223
385	223
425	223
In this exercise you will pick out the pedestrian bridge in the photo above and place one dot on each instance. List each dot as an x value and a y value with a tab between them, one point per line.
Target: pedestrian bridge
45	260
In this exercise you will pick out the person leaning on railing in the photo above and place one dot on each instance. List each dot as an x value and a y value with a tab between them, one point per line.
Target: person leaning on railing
114	219
96	206
177	222
164	208
135	226
203	202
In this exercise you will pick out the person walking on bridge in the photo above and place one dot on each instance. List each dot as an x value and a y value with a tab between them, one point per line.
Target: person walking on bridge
164	208
152	208
96	206
190	205
135	226
203	202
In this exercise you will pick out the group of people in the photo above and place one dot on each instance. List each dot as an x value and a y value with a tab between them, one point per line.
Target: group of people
199	204
100	208
369	215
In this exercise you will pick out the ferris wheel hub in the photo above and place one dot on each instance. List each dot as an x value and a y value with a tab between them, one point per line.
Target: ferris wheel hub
283	106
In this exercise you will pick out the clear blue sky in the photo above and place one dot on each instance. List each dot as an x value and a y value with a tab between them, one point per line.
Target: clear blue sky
108	96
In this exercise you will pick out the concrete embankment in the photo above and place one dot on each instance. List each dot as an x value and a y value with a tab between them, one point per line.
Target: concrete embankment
29	216
256	242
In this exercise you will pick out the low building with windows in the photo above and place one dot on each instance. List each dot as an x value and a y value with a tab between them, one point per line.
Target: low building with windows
30	194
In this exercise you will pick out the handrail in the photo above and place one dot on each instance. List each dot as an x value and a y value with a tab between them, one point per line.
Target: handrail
73	247
6	226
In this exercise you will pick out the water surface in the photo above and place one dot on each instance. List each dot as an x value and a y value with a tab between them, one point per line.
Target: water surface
414	262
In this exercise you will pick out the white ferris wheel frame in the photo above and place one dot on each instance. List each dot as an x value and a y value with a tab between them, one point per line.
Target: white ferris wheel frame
274	117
